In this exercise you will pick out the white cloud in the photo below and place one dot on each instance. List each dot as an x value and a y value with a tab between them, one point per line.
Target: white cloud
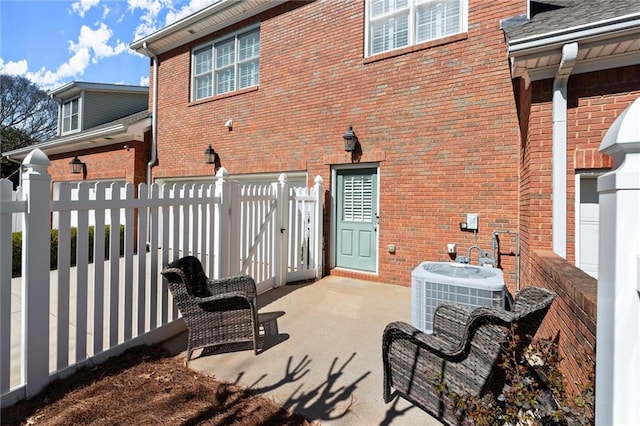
144	80
14	68
192	7
92	46
97	41
83	6
151	20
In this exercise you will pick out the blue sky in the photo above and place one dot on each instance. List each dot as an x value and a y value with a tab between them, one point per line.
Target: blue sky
53	42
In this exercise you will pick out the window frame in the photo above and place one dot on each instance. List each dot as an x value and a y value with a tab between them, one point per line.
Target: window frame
412	28
63	117
215	69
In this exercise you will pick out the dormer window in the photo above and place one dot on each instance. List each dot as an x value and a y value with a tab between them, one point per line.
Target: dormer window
71	116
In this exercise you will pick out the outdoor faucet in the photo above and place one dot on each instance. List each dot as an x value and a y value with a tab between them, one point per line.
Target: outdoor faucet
469	254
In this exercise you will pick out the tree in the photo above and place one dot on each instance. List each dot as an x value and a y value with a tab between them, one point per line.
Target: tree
27	116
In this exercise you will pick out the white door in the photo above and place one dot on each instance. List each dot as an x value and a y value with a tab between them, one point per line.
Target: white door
588	219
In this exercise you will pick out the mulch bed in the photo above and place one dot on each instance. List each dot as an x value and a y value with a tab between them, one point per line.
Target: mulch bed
146	386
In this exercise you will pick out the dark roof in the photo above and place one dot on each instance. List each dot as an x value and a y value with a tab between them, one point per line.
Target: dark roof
560	15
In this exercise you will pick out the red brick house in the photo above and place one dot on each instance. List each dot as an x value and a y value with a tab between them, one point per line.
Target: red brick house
426	89
576	68
106	128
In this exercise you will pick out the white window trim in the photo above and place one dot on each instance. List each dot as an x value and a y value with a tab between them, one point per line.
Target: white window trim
61	115
464	11
213	65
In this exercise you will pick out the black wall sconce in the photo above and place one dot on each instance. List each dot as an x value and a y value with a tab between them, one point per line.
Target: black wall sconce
350	140
352	145
78	167
212	157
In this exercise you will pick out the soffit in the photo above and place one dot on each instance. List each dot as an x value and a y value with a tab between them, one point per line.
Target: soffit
215	17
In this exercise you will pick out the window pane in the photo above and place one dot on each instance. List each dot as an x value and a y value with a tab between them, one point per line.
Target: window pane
436	19
203	61
382	7
248	74
225	80
203	86
390	34
249	46
225	53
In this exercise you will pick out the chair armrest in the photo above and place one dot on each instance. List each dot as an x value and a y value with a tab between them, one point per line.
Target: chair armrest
223	296
451	320
238	283
401	330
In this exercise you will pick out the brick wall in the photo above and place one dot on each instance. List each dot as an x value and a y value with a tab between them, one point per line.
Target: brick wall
571	321
439	119
594	101
106	163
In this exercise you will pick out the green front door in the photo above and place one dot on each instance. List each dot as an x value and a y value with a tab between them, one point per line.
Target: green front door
357	219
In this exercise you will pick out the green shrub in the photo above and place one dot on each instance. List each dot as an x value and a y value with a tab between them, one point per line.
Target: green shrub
17	247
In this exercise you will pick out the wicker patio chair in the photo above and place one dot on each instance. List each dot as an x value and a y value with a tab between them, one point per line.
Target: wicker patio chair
463	355
216	311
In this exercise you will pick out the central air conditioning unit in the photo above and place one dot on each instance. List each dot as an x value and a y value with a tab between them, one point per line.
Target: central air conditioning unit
433	283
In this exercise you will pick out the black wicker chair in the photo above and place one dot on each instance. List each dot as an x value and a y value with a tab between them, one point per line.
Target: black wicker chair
462	355
216	311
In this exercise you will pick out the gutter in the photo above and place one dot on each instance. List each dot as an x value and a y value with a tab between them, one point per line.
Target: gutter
605	28
559	149
154	112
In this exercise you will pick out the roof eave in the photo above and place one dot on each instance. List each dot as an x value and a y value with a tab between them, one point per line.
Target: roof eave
151	45
593	31
92	139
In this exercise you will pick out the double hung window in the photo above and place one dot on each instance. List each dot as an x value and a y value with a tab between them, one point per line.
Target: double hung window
226	65
71	116
393	24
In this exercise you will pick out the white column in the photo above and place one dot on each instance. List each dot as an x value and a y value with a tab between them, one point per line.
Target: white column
36	242
618	313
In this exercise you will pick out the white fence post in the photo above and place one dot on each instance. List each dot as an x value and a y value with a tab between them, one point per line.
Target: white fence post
36	243
318	229
618	314
222	225
281	189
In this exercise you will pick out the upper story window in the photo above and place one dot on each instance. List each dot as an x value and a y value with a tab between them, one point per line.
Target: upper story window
71	116
228	64
393	24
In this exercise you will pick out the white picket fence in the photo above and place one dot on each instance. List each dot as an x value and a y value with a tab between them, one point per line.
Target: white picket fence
55	321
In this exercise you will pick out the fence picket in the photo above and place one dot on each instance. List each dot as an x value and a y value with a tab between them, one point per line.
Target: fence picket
111	291
98	272
141	239
81	282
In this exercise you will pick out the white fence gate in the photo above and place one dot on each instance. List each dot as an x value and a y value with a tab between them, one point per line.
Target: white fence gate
106	293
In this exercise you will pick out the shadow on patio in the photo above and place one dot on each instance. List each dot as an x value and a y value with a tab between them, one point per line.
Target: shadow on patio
321	354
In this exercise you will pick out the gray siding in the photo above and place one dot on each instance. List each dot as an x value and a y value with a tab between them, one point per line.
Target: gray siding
103	107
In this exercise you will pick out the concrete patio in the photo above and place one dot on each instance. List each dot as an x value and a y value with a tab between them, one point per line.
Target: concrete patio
322	352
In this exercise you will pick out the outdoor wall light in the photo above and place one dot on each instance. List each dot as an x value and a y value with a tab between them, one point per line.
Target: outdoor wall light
78	166
350	140
212	157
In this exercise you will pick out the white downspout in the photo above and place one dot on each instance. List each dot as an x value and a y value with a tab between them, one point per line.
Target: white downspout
154	114
559	150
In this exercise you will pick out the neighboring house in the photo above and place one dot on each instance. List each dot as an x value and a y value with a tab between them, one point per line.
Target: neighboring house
106	127
576	67
425	86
